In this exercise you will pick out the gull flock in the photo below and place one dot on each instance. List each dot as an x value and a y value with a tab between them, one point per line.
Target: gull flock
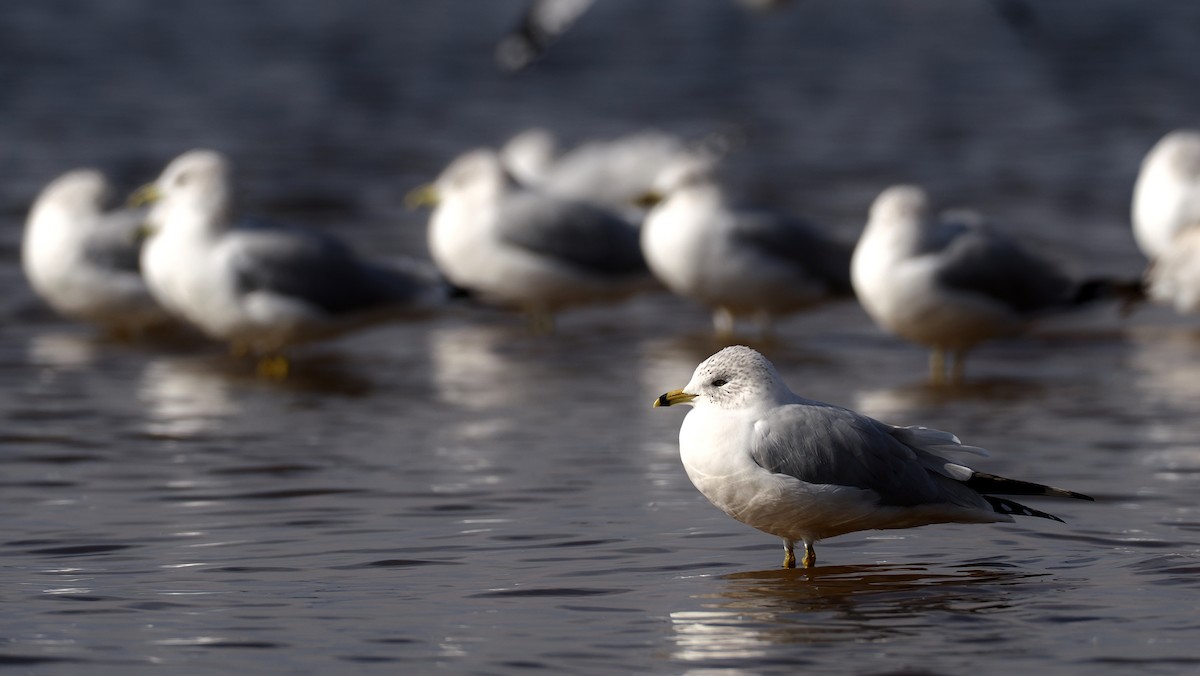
539	231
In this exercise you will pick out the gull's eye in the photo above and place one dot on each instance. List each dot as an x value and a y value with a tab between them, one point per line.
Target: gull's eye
719	382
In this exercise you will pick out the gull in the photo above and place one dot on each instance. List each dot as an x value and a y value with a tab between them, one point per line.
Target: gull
544	21
951	284
83	260
530	155
1166	219
738	262
519	246
609	173
803	470
261	286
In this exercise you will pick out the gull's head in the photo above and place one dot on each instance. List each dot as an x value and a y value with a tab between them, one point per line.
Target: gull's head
81	191
530	154
689	171
197	183
736	377
477	173
900	203
1179	153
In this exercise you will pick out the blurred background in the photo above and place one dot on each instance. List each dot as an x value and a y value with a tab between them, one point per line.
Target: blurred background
1031	111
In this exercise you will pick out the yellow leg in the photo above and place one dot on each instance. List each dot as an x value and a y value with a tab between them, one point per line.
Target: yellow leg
789	556
810	556
276	367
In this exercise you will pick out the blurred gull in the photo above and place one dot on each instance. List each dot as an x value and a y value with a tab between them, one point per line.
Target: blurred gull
738	262
263	287
522	247
543	21
530	155
803	470
949	285
1166	219
609	173
83	261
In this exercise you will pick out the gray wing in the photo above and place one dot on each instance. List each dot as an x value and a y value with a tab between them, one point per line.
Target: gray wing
115	242
979	260
318	269
580	235
792	239
823	444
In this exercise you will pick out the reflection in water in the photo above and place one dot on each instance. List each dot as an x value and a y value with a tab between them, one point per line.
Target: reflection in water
756	611
897	404
489	372
470	366
62	350
1166	371
184	397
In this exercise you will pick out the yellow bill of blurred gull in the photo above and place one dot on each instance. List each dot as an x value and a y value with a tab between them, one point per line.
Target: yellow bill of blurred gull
741	263
1166	219
83	260
803	470
522	247
949	285
263	286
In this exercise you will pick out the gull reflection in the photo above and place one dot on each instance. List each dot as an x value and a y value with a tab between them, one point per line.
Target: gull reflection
755	611
62	350
897	404
185	397
491	373
1165	365
471	368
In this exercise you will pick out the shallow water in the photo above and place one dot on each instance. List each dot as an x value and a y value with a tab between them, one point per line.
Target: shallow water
458	494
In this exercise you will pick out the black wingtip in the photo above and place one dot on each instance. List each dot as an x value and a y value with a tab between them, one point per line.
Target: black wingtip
983	482
1013	508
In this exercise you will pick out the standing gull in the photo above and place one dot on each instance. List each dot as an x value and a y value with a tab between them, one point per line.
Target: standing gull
1166	219
738	262
260	286
949	285
803	470
83	261
521	247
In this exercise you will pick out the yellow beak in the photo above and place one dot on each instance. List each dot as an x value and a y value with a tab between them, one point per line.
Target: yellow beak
648	200
674	397
421	196
144	232
147	194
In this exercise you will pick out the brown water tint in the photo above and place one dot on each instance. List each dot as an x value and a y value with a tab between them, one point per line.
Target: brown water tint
460	495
